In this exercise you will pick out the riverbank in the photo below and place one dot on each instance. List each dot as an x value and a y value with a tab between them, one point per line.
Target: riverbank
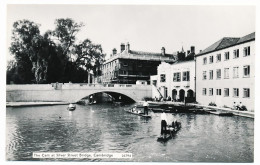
168	103
26	104
235	112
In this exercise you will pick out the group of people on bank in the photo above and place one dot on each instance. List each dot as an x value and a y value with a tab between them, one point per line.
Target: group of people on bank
164	99
239	106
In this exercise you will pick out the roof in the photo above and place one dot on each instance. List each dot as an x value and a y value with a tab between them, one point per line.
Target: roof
149	53
248	37
140	55
227	42
189	57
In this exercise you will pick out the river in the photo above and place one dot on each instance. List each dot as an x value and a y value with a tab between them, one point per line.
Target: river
106	128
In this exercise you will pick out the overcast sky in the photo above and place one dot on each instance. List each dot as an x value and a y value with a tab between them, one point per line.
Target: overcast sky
146	28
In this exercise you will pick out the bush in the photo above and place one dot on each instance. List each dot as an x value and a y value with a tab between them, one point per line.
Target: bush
212	104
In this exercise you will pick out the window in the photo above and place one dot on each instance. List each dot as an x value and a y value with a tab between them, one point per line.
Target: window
246	71
218	57
186	76
226	73
162	76
211	75
246	92
218	92
205	60
226	92
154	82
124	72
235	72
218	73
235	92
211	59
139	65
204	76
236	53
204	91
177	77
226	55
247	51
210	91
125	64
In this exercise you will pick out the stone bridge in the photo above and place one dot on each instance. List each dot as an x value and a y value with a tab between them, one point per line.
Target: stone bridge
69	92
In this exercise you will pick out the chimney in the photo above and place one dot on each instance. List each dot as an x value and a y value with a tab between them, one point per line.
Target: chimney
114	51
200	50
192	49
181	56
163	51
122	47
188	52
127	47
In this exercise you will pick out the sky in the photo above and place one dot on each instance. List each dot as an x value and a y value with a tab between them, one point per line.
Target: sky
145	27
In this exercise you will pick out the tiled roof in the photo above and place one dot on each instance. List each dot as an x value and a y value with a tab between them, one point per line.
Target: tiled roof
247	38
227	42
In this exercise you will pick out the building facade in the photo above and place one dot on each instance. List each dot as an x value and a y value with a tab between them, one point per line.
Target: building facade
129	66
225	72
176	80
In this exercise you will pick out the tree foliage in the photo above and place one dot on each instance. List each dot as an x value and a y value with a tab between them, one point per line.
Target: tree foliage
52	57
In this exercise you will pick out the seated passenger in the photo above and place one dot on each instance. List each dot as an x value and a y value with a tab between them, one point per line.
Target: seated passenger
234	106
173	124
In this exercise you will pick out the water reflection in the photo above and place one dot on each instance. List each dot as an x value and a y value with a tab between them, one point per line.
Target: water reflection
105	128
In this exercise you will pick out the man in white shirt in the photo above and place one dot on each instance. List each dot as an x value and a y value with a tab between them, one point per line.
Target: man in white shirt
163	123
145	107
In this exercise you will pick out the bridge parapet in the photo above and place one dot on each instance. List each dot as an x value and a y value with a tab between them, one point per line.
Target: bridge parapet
70	92
68	86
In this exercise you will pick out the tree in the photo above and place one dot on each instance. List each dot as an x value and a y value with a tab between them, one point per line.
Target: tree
65	33
24	34
88	56
64	37
48	58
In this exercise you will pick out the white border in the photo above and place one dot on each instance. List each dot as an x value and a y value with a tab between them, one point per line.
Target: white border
3	52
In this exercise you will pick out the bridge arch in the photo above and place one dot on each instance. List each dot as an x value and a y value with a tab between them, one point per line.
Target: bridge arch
118	97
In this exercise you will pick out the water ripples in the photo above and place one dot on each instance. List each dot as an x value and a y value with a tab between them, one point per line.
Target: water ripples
104	128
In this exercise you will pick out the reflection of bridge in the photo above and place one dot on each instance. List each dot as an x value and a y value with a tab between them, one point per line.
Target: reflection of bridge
73	92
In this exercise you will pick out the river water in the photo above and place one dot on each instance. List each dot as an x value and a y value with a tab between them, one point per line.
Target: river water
105	128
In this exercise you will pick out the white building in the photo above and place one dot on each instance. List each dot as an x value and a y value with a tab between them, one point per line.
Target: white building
177	79
225	72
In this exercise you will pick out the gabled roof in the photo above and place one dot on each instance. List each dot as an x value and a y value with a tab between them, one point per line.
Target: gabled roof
227	42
